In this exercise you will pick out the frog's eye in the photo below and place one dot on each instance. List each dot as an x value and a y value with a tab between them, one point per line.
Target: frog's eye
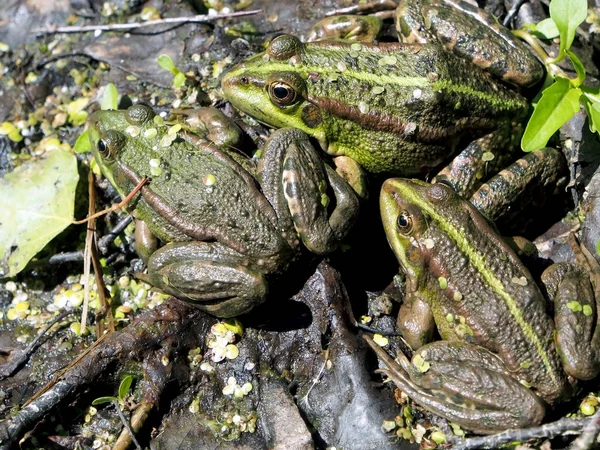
282	93
102	148
404	222
110	143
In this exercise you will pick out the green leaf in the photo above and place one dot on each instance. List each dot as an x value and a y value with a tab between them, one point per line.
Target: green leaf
546	29
592	110
578	65
179	80
558	104
568	15
124	386
102	400
167	63
82	144
36	203
110	98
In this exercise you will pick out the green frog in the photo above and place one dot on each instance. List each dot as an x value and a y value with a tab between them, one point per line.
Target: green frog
501	359
400	108
228	224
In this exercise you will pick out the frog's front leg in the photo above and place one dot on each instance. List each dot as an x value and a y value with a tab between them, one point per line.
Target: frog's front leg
145	242
576	314
298	185
213	277
466	384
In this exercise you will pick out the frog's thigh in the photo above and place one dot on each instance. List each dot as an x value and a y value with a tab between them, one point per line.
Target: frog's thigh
468	385
576	318
209	275
305	181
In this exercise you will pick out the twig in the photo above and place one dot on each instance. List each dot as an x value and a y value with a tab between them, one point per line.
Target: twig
134	25
90	239
114	207
105	240
588	435
126	425
548	431
8	369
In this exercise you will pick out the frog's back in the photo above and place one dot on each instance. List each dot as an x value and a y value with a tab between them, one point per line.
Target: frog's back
216	196
493	301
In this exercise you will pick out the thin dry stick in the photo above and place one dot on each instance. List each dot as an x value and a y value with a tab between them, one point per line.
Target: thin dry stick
134	25
87	254
114	207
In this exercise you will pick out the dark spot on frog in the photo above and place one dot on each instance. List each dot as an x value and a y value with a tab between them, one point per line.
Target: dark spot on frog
311	116
291	190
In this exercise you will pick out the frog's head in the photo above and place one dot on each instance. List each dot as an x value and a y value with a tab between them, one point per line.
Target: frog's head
272	88
423	220
110	133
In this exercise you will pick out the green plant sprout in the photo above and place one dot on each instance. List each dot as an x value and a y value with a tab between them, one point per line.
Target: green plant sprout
561	98
120	399
120	403
110	100
167	63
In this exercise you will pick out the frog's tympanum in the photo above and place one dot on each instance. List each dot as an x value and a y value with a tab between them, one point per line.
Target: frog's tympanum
502	359
227	225
400	108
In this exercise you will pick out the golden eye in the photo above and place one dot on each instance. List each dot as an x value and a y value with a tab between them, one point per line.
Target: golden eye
282	93
404	222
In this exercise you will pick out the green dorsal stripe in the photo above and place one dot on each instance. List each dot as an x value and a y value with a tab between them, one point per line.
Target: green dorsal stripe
271	67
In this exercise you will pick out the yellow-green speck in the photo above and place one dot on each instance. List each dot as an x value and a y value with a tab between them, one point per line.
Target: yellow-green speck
443	282
209	180
421	365
487	156
150	133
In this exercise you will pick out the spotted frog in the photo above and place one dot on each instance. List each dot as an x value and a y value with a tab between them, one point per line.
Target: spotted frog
228	225
502	359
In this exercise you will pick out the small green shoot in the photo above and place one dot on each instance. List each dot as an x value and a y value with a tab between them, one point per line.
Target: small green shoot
561	100
167	63
110	98
120	403
120	400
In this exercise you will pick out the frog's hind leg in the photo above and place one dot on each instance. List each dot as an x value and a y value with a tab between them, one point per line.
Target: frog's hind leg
209	275
532	178
465	384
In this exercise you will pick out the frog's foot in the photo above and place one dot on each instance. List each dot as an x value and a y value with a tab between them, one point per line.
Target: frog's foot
298	184
576	313
346	27
207	275
465	384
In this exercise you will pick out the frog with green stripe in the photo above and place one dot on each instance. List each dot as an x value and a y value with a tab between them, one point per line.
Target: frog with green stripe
502	359
399	108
